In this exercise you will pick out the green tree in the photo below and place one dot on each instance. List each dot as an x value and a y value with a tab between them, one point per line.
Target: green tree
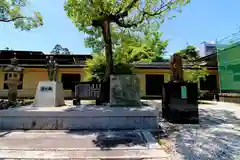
96	66
130	39
58	49
94	17
190	54
141	48
129	49
11	11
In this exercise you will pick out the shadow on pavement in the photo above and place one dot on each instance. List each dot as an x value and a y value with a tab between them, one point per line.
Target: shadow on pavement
107	140
4	133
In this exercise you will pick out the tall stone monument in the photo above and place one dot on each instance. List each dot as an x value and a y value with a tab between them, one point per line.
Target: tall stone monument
13	79
50	93
124	90
180	98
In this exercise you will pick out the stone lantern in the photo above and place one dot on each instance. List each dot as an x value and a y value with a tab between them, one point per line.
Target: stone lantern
13	79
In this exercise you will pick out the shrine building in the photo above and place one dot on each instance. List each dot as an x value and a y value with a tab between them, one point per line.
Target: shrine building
71	71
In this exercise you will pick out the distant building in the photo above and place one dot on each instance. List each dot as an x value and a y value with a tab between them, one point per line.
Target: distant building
207	48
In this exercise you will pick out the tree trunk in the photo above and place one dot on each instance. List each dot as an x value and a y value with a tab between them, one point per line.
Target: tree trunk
109	60
108	49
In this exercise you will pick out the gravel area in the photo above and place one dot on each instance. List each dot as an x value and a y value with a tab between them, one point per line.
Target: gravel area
217	137
5	104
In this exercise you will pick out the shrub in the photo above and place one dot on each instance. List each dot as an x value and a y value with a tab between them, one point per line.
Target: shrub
96	67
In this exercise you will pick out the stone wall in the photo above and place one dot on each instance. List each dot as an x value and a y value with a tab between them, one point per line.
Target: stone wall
230	97
86	117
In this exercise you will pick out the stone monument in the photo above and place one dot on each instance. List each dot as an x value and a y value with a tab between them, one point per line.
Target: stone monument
180	99
124	90
13	79
176	68
50	93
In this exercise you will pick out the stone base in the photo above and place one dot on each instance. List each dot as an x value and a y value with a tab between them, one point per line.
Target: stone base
230	97
49	94
79	118
179	109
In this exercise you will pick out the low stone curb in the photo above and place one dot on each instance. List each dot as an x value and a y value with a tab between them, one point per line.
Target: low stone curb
10	154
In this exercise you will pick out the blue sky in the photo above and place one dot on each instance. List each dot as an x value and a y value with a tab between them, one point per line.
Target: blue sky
202	20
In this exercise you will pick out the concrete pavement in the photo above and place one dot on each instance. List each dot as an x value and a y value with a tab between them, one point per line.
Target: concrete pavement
64	145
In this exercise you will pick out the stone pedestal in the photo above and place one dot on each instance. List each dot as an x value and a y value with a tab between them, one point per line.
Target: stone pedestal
180	102
49	94
124	90
12	90
84	117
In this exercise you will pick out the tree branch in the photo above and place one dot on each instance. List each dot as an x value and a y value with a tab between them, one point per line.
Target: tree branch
13	19
119	17
130	6
163	7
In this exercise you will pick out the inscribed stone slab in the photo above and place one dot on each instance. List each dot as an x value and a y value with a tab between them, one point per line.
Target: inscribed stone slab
124	90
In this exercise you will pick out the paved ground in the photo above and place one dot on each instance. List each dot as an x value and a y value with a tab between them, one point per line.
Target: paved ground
45	140
65	144
217	137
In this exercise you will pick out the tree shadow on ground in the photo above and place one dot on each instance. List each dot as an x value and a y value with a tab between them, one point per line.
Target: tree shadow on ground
216	137
4	133
108	140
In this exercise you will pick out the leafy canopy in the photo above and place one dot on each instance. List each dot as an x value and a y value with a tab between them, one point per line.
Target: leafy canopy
145	47
127	19
130	12
130	49
96	67
12	11
58	49
128	16
189	54
198	72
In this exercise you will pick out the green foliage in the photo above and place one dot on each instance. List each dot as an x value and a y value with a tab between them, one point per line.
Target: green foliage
96	67
130	16
58	49
12	11
189	54
198	72
128	21
129	48
141	48
130	12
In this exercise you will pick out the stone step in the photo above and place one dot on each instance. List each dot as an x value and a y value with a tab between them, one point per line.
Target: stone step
88	155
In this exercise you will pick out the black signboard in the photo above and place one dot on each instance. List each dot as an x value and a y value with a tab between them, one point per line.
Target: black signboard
88	90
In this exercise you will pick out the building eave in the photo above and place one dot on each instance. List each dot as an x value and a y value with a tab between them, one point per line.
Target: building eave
154	65
44	66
